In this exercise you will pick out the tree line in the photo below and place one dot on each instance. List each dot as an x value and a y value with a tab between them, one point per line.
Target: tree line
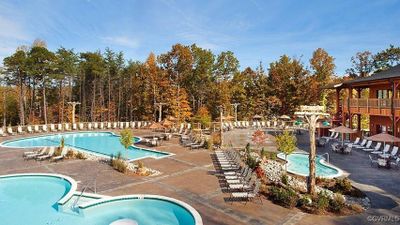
191	82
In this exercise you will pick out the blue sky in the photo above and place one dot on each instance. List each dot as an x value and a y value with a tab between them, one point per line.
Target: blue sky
255	30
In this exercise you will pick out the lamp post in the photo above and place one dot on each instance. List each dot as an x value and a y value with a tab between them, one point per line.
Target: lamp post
73	104
221	112
312	114
236	106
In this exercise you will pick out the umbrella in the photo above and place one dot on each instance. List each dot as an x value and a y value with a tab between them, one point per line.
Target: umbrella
167	123
156	126
284	117
343	130
171	118
257	117
228	117
384	137
326	123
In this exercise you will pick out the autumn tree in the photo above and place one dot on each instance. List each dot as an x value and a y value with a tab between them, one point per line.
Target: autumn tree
387	58
362	64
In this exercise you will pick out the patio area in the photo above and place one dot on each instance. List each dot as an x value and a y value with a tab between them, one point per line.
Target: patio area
189	176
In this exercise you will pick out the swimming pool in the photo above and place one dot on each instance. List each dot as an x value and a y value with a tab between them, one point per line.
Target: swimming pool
38	199
102	143
298	164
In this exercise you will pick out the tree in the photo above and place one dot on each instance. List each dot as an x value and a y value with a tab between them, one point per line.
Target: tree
362	65
387	58
286	143
203	117
126	140
323	65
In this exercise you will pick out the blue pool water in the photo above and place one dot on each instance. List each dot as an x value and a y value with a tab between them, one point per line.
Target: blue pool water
298	164
33	200
104	143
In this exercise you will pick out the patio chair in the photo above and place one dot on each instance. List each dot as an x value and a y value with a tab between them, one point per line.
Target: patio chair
10	131
396	163
248	195
101	125
198	145
394	152
89	126
348	148
376	148
108	125
74	126
52	128
356	141
139	124
114	125
385	150
81	126
35	154
36	129
32	152
61	156
29	129
373	161
361	145
368	145
95	125
121	125
335	147
19	130
67	127
44	128
48	155
2	132
59	127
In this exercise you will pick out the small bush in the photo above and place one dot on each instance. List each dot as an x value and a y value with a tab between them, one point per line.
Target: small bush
260	172
322	202
80	155
252	162
337	203
119	165
283	196
208	143
342	186
58	151
305	200
357	208
284	179
70	154
140	165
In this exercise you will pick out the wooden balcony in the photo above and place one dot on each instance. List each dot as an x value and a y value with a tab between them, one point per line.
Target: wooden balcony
372	106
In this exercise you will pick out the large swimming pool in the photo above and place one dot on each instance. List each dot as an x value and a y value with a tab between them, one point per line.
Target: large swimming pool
103	143
37	199
298	164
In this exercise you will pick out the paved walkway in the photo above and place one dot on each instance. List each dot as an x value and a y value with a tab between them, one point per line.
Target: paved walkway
189	176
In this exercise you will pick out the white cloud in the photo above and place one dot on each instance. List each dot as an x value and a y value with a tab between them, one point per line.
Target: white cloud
121	41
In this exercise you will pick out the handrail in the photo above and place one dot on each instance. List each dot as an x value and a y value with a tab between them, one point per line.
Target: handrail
327	158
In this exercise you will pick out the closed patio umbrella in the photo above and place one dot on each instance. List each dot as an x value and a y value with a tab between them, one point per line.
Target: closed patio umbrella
284	117
343	130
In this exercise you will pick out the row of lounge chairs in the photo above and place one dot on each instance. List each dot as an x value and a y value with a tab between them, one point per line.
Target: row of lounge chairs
192	142
74	126
240	181
46	153
254	124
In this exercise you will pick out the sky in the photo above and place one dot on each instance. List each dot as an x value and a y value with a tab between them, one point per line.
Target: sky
255	30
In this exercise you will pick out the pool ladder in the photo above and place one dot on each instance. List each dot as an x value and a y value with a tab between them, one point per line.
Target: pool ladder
86	187
327	156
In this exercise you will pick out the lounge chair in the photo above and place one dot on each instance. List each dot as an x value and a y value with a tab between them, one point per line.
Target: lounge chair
81	126
373	161
74	126
61	156
32	155
34	151
59	127
29	129
385	150
19	130
67	127
95	125
89	126
48	155
393	153
376	148
347	149
356	141
10	131
248	195
361	145
101	125
396	163
115	125
139	124
52	128
196	146
108	125
36	129
44	128
2	132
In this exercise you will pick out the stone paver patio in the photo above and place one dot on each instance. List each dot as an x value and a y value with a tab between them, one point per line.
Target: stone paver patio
188	176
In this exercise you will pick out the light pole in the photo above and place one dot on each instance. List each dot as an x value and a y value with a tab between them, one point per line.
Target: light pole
221	112
160	104
312	114
73	110
236	106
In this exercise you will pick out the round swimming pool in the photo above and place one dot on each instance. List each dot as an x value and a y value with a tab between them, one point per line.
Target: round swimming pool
102	143
298	163
36	199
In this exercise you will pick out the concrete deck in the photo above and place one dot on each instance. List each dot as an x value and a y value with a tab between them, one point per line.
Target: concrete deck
188	176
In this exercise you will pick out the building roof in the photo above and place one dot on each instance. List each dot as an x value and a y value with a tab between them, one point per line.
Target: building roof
393	72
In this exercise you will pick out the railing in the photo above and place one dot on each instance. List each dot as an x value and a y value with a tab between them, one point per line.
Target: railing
372	103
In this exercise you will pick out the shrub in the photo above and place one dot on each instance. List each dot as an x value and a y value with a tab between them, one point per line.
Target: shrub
140	164
260	172
305	200
208	143
357	208
119	165
284	179
283	196
337	203
322	202
342	186
216	138
58	151
252	162
70	154
80	155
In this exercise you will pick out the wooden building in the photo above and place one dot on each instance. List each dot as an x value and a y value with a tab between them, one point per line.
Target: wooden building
382	105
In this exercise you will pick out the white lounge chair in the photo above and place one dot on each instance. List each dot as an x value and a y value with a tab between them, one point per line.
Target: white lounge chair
34	154
81	126
121	125
10	131
2	132
347	149
101	125
59	127
19	130
376	148
114	125
95	125
396	163
36	128
29	129
67	127
44	128
48	155
52	128
393	153
126	124
61	156
89	126
108	125
248	195
356	141
139	125
385	150
74	126
361	145
373	161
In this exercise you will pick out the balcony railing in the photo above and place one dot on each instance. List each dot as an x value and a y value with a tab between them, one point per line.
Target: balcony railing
377	103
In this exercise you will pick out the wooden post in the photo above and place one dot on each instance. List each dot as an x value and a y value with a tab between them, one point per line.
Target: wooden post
311	179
